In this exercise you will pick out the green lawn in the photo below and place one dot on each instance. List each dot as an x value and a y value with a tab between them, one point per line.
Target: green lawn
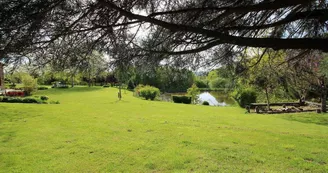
91	131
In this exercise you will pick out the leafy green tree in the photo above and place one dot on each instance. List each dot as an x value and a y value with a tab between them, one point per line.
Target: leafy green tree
201	83
307	76
323	71
16	77
212	75
173	79
266	72
92	65
221	77
218	83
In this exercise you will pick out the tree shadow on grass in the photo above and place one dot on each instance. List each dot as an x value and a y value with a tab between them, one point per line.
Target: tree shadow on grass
58	91
12	114
119	101
320	119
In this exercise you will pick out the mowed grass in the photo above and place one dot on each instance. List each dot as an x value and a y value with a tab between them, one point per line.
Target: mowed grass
91	131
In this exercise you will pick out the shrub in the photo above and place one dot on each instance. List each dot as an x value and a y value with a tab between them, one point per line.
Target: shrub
30	100
54	102
14	100
4	99
206	103
176	99
245	97
43	88
193	92
149	92
63	86
29	84
44	98
181	99
106	86
23	100
12	86
137	89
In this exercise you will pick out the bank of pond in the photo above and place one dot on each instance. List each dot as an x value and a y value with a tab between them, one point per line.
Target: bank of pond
214	98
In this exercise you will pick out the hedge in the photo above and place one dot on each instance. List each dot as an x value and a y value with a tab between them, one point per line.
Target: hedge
35	99
181	99
43	88
245	97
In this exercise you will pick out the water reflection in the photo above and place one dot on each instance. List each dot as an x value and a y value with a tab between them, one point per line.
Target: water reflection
214	98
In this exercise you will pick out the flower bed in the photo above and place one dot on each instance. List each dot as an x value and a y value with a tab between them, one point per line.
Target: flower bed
15	93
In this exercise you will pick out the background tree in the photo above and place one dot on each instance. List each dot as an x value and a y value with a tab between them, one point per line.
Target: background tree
265	71
323	70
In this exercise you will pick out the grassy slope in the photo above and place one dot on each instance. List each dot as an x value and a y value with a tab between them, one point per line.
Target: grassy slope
90	131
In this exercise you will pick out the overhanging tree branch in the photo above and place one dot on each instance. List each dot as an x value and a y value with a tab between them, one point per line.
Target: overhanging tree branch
191	51
321	15
273	5
275	43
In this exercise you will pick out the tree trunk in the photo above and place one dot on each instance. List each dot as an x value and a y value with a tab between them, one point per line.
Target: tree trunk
72	84
119	92
267	97
89	80
2	81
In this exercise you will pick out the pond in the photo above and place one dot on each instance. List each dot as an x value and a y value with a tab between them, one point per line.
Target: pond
214	98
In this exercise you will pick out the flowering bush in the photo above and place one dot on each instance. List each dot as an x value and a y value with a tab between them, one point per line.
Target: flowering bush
15	93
